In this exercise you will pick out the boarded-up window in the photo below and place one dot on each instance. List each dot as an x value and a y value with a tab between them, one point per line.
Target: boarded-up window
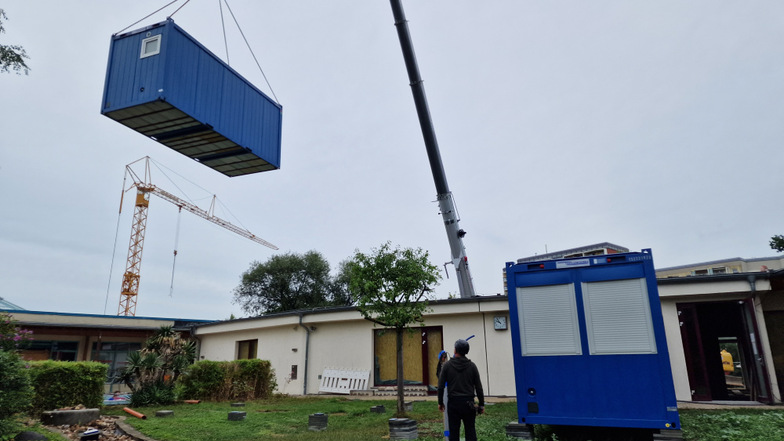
618	317
548	320
247	349
420	356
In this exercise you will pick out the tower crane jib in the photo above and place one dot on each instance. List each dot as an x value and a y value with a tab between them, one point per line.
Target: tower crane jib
130	284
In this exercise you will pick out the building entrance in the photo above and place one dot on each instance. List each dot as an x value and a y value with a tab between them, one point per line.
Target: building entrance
723	353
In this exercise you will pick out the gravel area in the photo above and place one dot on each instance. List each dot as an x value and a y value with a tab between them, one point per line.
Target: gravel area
106	424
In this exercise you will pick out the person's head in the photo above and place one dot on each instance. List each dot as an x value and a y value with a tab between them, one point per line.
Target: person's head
461	347
442	356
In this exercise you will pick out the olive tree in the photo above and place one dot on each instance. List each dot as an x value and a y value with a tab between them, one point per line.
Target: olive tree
391	287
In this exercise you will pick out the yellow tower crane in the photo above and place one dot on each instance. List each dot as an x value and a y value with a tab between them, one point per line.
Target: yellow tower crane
130	282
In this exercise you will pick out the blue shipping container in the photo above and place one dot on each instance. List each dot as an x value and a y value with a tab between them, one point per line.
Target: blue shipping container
163	84
589	344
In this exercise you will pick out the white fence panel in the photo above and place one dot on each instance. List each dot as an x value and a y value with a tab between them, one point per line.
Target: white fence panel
343	381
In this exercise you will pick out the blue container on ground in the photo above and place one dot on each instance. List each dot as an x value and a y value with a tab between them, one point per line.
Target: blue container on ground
164	84
589	343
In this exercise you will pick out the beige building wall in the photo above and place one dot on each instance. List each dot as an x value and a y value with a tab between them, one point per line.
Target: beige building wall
725	266
343	339
672	331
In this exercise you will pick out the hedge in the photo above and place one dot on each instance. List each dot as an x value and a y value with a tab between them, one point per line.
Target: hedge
228	380
60	384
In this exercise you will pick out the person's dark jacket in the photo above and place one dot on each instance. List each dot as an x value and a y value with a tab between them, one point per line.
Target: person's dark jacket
462	377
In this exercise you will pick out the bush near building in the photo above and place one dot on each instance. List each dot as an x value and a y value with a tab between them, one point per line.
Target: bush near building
228	380
60	384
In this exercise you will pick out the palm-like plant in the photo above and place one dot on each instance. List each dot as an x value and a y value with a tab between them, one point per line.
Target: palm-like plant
163	359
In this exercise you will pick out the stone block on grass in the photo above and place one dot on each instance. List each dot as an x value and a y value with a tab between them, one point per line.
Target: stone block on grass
317	421
237	415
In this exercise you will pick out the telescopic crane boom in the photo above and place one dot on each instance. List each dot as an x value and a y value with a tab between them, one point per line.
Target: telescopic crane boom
446	202
130	282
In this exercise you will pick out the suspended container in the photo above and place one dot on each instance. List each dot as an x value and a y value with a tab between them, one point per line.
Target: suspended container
589	343
164	84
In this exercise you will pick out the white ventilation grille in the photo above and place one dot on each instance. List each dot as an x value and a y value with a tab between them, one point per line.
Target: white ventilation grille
618	317
548	320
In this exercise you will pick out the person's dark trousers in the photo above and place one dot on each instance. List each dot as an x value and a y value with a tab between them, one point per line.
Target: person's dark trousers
461	409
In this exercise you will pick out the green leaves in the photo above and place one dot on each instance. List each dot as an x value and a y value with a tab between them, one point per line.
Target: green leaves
777	243
11	56
288	282
391	285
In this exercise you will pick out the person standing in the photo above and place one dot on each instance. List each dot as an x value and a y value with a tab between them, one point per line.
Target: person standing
463	378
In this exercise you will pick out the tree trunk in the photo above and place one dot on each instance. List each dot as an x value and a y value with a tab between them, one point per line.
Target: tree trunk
399	335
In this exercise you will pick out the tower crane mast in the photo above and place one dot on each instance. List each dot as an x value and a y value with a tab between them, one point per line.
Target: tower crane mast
144	188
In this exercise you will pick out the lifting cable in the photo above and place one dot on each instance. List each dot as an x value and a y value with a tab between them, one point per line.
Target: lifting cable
176	241
249	48
223	26
225	41
151	14
114	249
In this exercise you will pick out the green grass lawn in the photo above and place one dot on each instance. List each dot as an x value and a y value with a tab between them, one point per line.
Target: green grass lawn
286	419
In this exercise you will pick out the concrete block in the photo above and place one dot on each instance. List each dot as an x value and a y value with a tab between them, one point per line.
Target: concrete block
69	417
317	421
403	428
237	416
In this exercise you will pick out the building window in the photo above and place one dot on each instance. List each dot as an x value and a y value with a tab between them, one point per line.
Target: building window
247	349
293	375
151	46
51	350
115	354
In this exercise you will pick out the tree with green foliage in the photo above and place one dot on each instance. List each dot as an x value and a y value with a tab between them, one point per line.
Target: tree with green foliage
287	282
12	57
152	371
777	243
391	287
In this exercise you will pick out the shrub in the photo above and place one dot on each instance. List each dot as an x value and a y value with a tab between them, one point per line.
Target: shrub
153	394
15	391
152	372
66	383
228	380
12	336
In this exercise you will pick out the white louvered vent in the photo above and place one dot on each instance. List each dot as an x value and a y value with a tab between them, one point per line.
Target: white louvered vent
618	317
548	318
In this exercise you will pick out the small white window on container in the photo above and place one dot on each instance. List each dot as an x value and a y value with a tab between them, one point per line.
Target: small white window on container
151	46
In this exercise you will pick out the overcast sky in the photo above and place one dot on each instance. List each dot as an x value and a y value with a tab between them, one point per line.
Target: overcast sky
648	124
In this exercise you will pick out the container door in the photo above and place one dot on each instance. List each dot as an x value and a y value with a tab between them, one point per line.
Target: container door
760	387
